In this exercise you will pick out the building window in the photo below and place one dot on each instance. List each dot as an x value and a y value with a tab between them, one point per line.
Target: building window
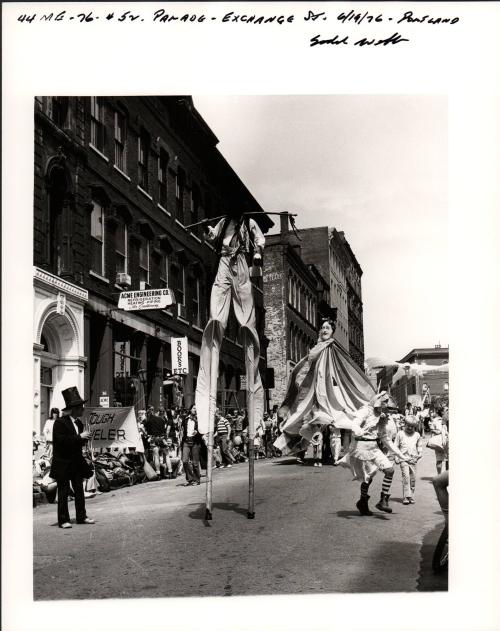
97	239
143	160
120	139
121	248
179	195
97	123
195	203
59	110
144	264
164	272
162	178
290	290
180	284
196	303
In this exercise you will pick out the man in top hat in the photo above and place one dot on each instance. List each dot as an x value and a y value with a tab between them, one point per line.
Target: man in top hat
68	463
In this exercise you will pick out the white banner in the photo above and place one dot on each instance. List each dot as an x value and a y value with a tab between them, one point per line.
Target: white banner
179	349
112	427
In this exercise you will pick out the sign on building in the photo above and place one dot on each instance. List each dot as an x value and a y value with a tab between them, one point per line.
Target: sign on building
179	349
146	299
243	382
104	402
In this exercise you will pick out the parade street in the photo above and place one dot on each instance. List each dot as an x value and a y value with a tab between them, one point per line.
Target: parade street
151	540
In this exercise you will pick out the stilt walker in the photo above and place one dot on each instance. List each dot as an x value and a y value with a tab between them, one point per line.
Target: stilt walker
214	370
250	369
234	237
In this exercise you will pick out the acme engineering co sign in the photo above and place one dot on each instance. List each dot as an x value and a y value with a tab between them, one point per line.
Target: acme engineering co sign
145	299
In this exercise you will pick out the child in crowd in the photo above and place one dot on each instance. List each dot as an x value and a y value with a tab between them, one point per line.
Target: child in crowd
409	442
317	443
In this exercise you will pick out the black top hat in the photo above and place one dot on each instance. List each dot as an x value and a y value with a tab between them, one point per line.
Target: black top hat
72	398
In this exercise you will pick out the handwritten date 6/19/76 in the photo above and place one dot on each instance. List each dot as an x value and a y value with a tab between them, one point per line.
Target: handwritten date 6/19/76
395	38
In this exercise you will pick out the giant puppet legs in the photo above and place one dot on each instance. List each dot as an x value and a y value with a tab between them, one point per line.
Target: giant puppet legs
232	282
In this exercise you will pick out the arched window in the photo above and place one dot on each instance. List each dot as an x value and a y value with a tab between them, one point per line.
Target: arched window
57	193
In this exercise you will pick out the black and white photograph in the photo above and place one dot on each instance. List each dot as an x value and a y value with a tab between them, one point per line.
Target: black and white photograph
226	355
247	326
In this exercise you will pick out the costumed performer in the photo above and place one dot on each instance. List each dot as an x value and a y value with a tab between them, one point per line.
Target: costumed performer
326	388
366	457
234	237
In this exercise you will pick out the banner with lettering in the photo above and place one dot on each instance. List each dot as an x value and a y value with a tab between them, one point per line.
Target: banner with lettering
112	427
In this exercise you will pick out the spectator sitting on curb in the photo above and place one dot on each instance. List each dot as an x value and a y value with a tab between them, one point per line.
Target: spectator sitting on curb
172	460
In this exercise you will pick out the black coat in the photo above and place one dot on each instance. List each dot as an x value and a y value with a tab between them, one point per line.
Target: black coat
67	457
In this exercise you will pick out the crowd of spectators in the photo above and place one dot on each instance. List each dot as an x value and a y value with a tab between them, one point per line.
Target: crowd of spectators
172	447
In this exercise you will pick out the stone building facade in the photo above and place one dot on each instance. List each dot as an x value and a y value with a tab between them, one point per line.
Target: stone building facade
117	182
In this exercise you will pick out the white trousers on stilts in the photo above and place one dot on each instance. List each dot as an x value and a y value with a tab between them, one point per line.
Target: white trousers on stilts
232	284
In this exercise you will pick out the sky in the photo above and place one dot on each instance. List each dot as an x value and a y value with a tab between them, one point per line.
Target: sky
372	166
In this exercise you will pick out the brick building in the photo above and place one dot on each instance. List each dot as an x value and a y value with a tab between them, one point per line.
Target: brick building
331	253
116	182
353	273
295	297
421	376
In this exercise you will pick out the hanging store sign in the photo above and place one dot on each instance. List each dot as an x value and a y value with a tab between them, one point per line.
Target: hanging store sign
179	349
146	299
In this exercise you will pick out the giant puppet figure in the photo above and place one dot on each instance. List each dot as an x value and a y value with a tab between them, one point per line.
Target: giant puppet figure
327	388
235	237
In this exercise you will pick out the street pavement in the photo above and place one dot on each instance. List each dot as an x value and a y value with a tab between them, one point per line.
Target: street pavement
151	540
